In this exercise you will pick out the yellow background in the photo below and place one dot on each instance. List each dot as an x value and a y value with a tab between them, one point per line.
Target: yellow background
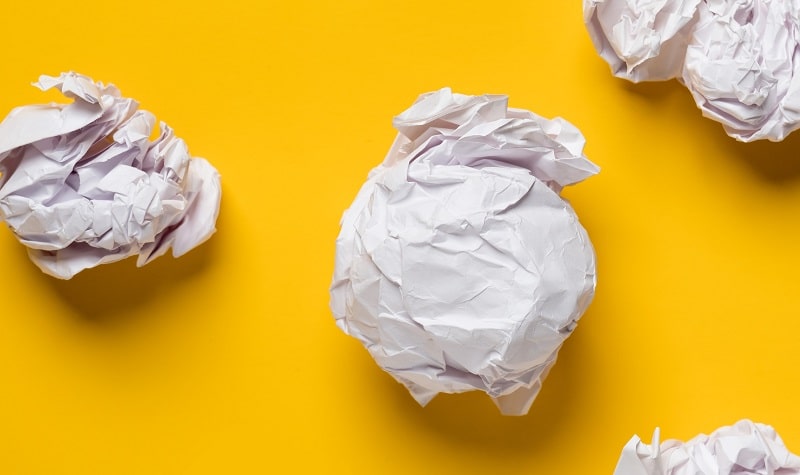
228	360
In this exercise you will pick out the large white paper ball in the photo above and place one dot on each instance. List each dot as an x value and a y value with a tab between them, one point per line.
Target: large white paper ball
459	266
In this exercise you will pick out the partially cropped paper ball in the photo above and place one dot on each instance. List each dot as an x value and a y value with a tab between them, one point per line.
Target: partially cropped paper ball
745	448
82	184
737	57
459	266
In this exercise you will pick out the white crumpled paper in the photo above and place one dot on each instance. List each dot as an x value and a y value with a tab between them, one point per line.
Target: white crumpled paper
736	57
743	448
83	185
458	265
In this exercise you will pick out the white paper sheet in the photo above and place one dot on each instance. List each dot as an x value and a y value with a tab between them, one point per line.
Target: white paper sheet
744	448
83	185
737	58
458	265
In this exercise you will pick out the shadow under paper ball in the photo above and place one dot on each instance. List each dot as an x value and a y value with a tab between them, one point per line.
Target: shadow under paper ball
654	92
470	420
108	294
777	163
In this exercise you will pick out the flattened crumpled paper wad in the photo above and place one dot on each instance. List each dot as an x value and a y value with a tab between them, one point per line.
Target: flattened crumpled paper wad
459	266
83	185
737	58
744	448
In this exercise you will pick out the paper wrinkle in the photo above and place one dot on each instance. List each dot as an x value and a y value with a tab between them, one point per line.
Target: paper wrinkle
737	58
743	448
458	265
83	185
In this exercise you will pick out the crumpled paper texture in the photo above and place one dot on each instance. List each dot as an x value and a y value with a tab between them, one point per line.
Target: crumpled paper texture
743	448
737	58
83	185
459	266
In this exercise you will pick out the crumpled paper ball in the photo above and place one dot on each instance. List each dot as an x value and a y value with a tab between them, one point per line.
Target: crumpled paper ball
83	185
459	266
743	448
642	40
737	58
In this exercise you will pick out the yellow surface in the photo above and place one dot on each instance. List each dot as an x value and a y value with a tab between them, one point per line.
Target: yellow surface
228	360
